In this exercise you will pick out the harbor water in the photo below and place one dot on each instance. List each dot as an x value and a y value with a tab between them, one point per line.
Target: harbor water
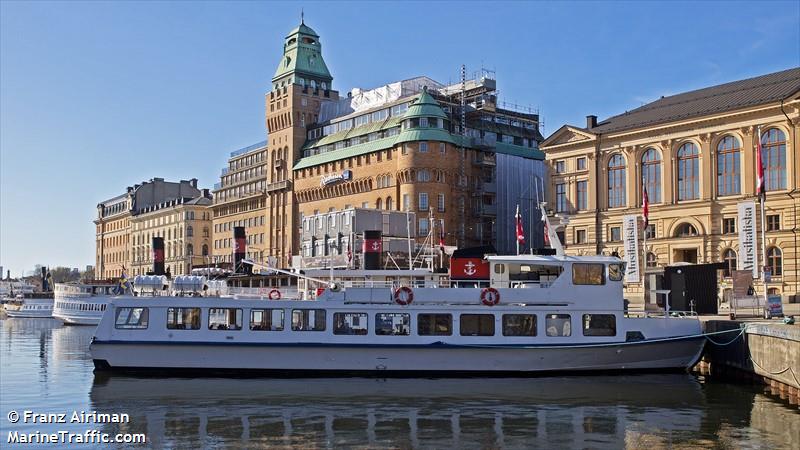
45	367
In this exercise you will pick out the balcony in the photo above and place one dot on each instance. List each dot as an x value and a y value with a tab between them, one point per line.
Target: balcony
485	210
278	185
485	159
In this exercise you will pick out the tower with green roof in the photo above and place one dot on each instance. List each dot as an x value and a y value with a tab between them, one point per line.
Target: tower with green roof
302	61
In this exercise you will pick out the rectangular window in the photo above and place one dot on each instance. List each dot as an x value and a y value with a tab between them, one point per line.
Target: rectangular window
580	236
581	200
588	274
561	197
441	206
558	325
580	163
350	323
423	147
560	166
406	202
423	227
224	319
615	234
392	324
423	201
442	149
599	325
477	325
729	225
131	319
266	319
183	318
773	222
519	325
434	324
308	320
650	231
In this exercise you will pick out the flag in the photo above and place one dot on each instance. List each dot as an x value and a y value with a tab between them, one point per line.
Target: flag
546	232
760	184
520	230
441	237
349	252
645	207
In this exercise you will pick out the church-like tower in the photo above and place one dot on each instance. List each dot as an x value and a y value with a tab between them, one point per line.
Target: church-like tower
301	84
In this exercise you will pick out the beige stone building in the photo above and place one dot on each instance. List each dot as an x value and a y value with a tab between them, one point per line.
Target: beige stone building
695	155
184	223
113	235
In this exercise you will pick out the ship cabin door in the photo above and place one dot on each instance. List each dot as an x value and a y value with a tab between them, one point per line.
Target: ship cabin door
498	275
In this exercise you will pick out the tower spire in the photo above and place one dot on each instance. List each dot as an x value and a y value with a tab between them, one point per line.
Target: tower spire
302	20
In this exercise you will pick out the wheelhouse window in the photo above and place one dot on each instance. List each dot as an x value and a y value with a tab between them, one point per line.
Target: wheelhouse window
616	181
588	274
308	320
476	325
350	323
183	318
599	325
558	325
392	324
688	172
651	174
266	319
434	324
728	166
519	325
773	158
131	319
224	319
532	273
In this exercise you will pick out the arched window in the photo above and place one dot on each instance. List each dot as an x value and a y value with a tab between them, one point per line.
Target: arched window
189	250
205	249
688	172
686	230
651	174
773	291
728	166
189	231
729	258
379	204
775	261
773	157
652	260
616	181
389	204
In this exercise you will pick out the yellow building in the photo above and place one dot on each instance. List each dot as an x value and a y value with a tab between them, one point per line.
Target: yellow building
695	154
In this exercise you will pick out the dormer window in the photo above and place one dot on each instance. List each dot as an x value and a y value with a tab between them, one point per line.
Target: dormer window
292	41
308	40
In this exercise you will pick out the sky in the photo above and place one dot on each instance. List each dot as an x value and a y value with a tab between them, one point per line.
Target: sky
98	96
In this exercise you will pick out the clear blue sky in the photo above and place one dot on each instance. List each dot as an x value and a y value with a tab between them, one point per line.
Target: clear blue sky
99	96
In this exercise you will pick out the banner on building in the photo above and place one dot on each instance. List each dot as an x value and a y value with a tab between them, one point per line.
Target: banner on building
630	232
747	238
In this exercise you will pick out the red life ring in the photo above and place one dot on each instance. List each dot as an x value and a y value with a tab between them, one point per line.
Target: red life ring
409	296
274	294
490	300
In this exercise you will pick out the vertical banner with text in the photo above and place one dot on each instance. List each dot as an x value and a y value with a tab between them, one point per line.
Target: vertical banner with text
747	238
630	232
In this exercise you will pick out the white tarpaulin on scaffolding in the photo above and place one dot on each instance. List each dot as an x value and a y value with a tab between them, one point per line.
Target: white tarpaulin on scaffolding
630	233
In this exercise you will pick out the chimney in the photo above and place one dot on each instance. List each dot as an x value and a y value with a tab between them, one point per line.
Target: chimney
591	122
240	251
158	256
193	182
206	193
372	248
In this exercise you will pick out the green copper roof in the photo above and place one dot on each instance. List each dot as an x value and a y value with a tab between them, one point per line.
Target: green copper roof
425	106
302	54
353	150
518	150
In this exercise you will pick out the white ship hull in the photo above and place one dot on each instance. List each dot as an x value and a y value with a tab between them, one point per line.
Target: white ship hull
77	304
30	308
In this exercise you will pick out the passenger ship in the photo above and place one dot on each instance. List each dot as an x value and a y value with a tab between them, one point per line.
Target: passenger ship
82	303
32	305
538	314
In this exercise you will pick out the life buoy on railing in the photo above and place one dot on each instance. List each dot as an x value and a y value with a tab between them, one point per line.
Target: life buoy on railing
274	294
409	296
490	296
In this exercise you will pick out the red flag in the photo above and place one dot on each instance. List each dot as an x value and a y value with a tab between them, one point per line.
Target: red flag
645	207
546	233
349	252
760	184
441	237
520	231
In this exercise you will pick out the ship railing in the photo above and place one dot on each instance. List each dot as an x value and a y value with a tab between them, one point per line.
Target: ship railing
394	284
530	284
661	314
286	293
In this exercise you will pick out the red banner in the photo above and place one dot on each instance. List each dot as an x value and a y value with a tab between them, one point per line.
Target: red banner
372	246
158	255
469	269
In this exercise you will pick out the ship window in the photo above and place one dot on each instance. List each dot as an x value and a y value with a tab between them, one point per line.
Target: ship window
591	274
519	325
558	325
477	325
599	325
531	273
266	319
308	320
349	323
224	319
183	318
434	324
499	268
392	324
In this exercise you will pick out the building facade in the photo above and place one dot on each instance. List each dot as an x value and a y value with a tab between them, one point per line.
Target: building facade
695	156
113	243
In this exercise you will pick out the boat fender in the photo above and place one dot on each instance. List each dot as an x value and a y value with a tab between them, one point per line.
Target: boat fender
490	300
409	297
274	294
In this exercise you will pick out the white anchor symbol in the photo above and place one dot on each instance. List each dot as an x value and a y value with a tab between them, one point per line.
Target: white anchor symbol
376	245
469	268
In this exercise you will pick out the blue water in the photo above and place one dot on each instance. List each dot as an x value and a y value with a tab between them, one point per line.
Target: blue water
46	368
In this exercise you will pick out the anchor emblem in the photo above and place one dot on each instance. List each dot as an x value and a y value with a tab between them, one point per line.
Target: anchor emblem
469	268
376	245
